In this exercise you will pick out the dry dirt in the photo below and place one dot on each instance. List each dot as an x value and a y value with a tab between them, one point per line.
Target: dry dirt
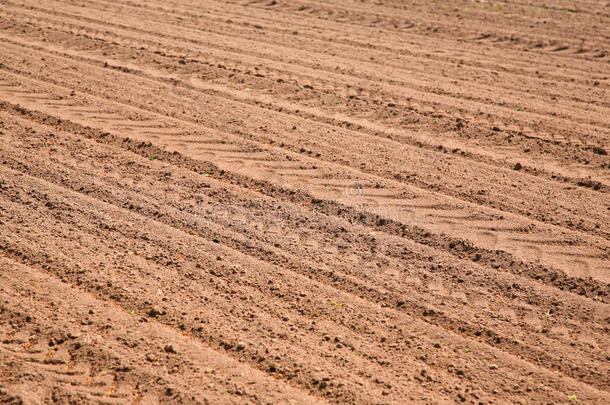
290	201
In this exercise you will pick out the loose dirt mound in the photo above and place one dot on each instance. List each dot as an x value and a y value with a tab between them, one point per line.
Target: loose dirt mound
304	201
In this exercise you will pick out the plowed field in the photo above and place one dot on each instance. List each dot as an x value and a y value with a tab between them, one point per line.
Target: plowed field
290	201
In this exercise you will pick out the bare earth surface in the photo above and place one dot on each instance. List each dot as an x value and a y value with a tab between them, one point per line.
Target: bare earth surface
289	201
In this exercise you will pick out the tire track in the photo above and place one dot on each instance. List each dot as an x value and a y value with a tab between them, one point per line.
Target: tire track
179	220
241	135
392	176
100	218
455	247
587	183
377	130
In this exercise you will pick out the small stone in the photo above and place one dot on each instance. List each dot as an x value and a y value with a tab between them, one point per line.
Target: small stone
241	346
338	338
517	166
150	357
493	367
154	312
327	337
170	349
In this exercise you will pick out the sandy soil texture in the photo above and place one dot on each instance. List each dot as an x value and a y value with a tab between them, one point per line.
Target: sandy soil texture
291	201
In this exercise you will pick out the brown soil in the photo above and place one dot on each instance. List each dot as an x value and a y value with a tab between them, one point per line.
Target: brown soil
290	201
